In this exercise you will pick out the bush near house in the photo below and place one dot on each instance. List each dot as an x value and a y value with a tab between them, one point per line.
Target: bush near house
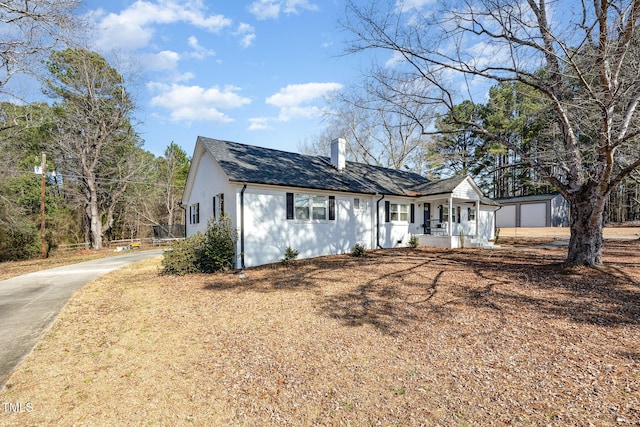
206	252
358	250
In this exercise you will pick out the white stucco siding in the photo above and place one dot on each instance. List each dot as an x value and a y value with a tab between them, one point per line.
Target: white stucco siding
486	223
209	181
268	232
396	233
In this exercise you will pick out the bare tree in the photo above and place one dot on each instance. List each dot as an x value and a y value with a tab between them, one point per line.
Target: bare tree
378	124
580	57
29	30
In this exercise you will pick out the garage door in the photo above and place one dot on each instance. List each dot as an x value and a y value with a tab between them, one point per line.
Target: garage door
506	216
533	215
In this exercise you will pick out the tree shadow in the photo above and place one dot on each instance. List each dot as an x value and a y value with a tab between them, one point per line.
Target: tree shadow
423	284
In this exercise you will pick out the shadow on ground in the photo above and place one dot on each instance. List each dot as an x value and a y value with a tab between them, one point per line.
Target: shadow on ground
391	289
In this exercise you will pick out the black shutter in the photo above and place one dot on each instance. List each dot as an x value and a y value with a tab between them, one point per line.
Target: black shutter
387	211
440	213
197	213
412	213
214	208
332	208
289	205
190	214
458	214
221	205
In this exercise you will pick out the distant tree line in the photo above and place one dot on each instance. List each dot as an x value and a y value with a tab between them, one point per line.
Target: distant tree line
101	185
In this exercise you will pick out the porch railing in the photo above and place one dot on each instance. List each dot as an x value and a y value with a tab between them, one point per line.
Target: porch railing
435	227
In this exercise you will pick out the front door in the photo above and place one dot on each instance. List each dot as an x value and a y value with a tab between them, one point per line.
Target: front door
427	218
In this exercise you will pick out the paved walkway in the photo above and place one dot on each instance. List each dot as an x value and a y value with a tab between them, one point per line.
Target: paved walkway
30	303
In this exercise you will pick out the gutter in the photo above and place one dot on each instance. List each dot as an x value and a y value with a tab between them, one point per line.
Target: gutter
244	187
378	222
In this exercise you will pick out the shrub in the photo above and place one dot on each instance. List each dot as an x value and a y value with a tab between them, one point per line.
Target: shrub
206	252
18	242
184	256
358	250
219	246
289	255
413	241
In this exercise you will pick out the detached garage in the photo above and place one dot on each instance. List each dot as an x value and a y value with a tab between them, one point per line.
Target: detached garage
541	210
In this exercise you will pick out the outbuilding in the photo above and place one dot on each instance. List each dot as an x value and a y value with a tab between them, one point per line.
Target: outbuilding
540	210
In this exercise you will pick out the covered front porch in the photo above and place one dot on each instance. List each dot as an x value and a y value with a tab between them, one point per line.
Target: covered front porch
453	222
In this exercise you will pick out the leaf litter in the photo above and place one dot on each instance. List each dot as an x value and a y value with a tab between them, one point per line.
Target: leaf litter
409	337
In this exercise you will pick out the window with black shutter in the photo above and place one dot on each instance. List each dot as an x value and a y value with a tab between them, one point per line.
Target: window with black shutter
289	205
332	208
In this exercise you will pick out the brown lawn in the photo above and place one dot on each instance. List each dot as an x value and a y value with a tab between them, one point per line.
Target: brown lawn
400	337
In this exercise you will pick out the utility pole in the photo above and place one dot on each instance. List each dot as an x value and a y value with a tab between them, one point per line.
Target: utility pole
42	230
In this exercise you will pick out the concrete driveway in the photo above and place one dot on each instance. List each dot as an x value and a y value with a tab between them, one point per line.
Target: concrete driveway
30	303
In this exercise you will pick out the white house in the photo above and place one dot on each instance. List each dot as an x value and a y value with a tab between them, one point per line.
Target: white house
321	206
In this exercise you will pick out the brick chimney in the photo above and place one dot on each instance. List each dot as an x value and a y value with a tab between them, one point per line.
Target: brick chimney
338	150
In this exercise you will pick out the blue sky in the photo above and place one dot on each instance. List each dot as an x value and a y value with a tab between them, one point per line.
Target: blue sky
254	72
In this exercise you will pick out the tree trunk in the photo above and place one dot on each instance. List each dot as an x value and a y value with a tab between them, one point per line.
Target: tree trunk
586	222
94	217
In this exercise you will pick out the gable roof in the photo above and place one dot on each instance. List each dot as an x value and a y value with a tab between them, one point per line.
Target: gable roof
448	185
257	165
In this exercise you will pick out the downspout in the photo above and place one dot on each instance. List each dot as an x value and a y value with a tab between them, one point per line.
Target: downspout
244	187
378	222
184	208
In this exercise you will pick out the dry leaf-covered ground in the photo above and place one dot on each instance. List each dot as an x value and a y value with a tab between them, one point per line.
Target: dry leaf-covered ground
400	337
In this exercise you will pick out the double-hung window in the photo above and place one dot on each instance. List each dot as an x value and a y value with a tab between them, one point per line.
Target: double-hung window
313	207
194	213
399	212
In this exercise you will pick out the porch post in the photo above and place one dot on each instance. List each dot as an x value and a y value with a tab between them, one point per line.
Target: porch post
450	215
477	218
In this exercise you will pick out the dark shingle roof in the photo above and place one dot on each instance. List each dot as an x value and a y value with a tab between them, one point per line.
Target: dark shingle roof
524	199
446	186
247	163
442	186
258	165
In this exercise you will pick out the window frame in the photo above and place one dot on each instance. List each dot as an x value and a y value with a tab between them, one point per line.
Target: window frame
195	213
310	207
471	214
397	211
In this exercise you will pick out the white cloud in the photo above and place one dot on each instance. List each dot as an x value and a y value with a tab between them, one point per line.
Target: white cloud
199	52
246	33
270	9
195	103
165	60
259	123
133	27
406	5
297	100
